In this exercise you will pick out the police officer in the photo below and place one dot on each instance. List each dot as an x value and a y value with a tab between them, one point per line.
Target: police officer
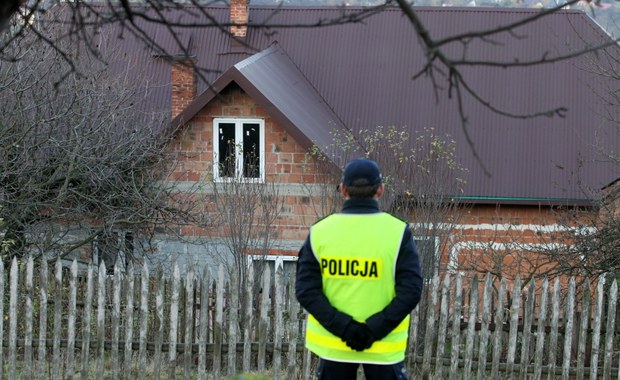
359	278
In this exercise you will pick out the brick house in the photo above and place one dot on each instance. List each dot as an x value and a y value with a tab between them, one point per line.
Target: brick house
287	89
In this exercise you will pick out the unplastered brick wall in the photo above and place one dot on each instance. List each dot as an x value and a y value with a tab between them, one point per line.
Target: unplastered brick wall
507	239
183	80
286	163
239	15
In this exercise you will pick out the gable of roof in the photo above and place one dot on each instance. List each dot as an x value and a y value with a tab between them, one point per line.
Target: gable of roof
359	75
277	85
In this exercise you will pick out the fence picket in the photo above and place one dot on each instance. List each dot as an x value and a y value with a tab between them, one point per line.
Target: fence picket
248	318
159	323
263	323
218	326
129	312
527	330
144	309
456	327
583	329
540	337
174	323
13	299
429	334
514	322
293	335
204	325
100	320
116	318
233	322
610	327
596	329
40	370
190	315
86	320
413	333
443	324
471	327
568	329
57	320
553	336
484	329
499	326
189	323
71	317
307	356
278	323
2	290
28	310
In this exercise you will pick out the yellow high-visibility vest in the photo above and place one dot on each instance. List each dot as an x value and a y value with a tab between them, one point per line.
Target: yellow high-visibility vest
357	254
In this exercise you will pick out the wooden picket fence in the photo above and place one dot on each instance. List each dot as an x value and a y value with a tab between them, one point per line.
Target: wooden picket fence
64	323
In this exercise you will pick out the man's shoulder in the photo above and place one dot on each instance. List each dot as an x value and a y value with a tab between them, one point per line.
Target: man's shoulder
323	218
397	218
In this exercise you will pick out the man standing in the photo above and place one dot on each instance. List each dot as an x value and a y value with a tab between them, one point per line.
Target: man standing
359	278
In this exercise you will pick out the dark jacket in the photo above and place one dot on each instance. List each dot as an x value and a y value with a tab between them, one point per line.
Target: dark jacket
309	286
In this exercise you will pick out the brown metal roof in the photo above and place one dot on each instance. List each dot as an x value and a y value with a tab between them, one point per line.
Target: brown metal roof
273	80
361	75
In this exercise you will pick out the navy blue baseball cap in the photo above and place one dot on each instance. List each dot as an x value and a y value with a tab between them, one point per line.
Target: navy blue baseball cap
361	172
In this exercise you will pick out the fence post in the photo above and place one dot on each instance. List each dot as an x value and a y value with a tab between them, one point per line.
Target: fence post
471	326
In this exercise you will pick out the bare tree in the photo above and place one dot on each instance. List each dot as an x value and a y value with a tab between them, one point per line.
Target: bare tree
135	18
78	160
243	211
423	182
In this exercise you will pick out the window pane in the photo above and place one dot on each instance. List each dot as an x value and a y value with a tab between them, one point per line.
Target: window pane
226	149
251	150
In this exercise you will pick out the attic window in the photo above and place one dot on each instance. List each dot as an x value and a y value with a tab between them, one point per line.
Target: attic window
238	149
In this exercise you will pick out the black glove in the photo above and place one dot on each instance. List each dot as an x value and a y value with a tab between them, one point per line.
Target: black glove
358	336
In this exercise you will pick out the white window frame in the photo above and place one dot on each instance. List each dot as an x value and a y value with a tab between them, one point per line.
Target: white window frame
239	154
279	259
